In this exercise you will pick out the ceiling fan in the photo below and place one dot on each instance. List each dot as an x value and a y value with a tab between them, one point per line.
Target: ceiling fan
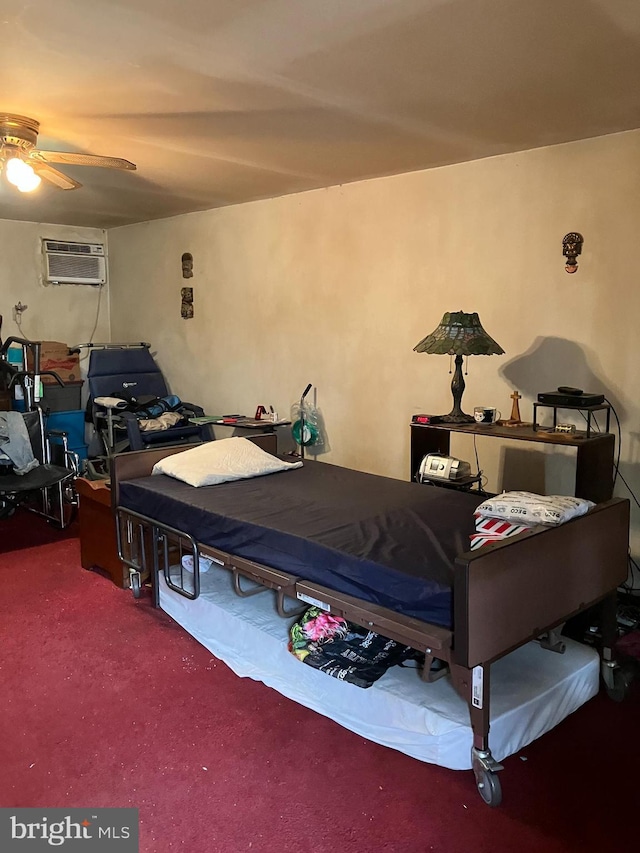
25	165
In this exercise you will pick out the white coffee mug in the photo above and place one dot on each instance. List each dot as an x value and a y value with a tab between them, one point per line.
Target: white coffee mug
486	415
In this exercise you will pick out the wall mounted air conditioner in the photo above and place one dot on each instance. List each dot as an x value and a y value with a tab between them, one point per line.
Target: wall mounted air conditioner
74	263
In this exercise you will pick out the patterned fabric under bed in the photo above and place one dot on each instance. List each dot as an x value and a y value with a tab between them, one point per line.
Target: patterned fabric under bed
386	541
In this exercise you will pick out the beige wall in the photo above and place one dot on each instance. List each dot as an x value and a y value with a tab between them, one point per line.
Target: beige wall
335	287
64	313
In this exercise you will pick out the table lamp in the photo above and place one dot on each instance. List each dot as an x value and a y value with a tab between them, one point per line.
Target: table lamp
458	334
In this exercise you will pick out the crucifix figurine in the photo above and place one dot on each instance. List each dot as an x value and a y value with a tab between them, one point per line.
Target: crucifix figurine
515	419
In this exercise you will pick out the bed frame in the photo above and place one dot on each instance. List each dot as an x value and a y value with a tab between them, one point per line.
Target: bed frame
505	595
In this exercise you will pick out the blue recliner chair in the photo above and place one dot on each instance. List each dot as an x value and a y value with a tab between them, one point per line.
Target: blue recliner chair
128	373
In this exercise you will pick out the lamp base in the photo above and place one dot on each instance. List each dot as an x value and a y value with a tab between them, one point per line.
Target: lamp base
457	418
456	415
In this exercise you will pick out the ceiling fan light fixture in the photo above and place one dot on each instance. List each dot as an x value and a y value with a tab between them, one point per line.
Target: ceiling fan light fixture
15	169
18	141
29	183
21	175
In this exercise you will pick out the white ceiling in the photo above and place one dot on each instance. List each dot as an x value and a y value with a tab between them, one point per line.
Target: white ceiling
226	101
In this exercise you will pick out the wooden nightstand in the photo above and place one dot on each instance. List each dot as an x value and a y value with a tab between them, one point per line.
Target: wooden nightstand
98	544
594	457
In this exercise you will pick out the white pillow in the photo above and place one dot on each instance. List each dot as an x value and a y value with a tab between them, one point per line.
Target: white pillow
525	507
221	461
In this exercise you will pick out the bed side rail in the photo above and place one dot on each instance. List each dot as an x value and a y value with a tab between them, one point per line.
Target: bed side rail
510	592
423	636
153	549
134	538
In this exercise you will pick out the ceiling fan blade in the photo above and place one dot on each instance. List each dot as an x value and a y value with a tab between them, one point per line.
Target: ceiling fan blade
81	159
53	176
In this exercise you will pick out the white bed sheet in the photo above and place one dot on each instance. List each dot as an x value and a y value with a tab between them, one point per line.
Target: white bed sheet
532	690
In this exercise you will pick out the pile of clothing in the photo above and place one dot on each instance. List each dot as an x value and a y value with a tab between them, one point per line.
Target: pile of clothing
153	413
344	650
16	453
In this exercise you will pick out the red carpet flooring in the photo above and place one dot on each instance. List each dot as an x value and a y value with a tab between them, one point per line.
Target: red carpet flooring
106	702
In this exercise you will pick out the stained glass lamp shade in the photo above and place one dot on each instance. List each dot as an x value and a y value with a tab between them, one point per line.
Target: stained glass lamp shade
460	335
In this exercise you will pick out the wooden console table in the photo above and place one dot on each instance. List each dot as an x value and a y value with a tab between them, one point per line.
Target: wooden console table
98	544
595	453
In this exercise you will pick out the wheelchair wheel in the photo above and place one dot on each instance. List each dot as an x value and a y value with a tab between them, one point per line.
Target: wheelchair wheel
6	509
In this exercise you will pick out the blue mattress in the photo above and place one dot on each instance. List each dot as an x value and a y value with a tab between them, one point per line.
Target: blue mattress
389	542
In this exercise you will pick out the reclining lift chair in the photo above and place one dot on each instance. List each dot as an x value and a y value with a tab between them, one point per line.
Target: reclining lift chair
129	371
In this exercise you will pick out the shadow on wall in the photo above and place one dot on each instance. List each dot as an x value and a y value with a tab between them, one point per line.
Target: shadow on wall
543	470
547	364
550	362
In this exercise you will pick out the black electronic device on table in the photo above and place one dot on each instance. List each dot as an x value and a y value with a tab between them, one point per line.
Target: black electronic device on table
567	395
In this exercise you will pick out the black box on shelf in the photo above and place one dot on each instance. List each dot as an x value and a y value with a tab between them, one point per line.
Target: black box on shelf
56	398
573	401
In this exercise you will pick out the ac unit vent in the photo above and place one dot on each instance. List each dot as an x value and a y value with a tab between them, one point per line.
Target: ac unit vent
74	263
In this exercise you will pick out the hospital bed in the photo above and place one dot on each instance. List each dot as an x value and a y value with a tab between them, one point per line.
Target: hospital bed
387	555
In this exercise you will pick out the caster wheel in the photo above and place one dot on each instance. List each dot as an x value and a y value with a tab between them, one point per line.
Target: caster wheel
135	585
489	787
621	685
6	509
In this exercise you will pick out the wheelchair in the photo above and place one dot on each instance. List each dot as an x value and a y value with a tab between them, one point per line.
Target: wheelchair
46	482
48	489
125	384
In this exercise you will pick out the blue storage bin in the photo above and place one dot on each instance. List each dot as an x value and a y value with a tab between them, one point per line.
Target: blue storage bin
14	356
70	422
81	450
